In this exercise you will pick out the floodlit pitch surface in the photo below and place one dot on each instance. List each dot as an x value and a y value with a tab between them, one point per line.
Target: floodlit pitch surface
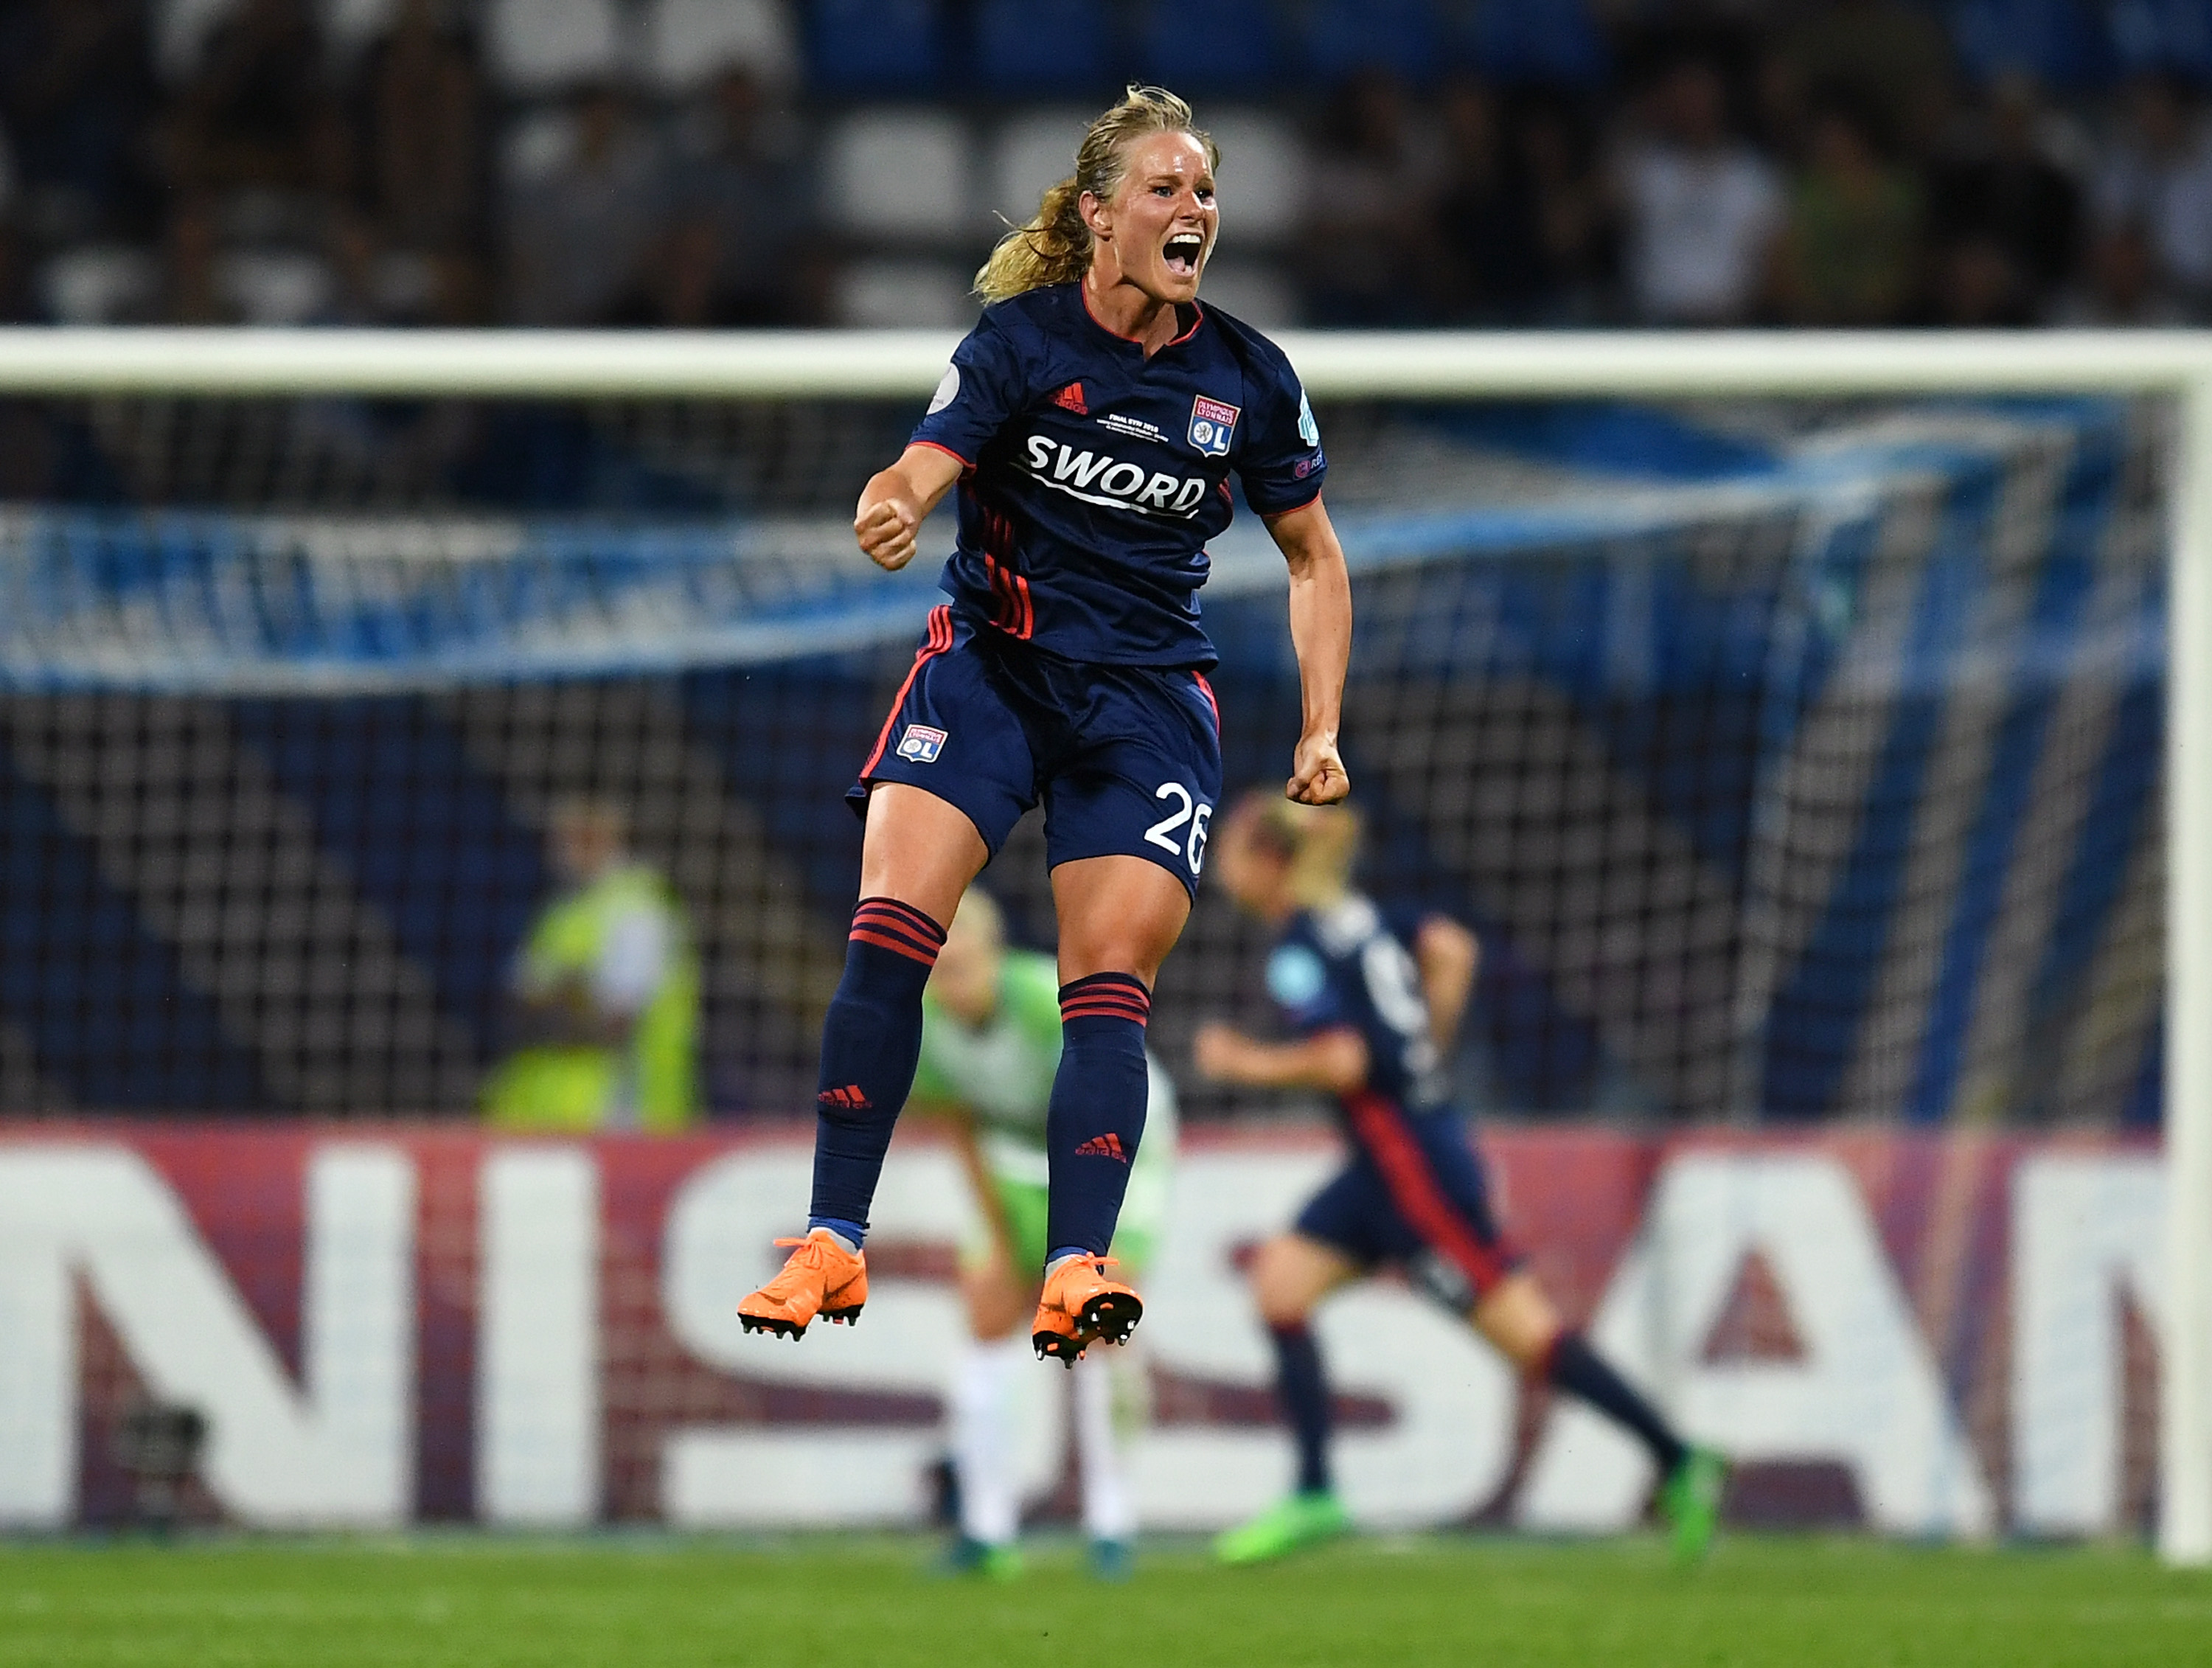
483	1602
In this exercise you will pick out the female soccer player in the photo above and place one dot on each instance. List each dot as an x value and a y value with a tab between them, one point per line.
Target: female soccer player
990	1048
1092	420
1372	1016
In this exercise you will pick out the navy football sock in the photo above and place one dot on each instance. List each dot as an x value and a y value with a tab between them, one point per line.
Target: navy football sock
1576	1368
1302	1389
869	1048
1097	1111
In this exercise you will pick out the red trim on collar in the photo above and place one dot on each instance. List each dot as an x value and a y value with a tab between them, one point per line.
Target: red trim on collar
1083	287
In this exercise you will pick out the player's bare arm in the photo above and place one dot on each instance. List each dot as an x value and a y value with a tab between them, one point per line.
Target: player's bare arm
1334	1061
896	502
1320	633
958	1122
1447	955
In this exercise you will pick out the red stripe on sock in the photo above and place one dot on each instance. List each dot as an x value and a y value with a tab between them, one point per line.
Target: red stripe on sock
885	942
926	936
1414	1190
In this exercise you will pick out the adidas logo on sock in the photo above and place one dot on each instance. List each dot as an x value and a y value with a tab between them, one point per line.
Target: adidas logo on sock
848	1099
1107	1146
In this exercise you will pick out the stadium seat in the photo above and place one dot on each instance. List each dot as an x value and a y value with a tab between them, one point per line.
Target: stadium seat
687	41
99	284
350	25
1210	45
1033	151
1401	36
2162	35
1042	47
904	295
1547	42
180	31
538	47
899	174
1263	174
1254	290
274	286
858	48
2058	42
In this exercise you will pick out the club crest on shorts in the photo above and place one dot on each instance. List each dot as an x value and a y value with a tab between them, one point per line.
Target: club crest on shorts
921	744
1211	423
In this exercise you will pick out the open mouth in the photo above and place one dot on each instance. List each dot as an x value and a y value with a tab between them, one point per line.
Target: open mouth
1183	253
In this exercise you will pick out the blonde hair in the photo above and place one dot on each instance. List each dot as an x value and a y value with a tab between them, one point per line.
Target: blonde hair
1321	843
1055	247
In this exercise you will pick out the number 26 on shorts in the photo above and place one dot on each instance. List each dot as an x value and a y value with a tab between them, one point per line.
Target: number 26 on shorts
1188	811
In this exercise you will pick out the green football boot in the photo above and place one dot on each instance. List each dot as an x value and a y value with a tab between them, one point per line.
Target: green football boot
1287	1526
979	1561
1690	1501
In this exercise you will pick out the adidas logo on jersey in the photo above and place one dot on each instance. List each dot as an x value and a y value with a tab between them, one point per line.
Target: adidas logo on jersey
1108	1146
1071	398
848	1099
1098	477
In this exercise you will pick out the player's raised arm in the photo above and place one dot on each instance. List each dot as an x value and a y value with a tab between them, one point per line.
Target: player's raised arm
896	501
1447	955
1321	632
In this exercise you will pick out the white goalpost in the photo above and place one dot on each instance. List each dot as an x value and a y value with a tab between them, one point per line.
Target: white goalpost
2175	364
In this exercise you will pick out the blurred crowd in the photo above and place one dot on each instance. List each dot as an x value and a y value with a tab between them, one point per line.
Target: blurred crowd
576	162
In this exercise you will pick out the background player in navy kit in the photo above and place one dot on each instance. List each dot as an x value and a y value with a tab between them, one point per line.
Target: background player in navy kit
1373	1013
1091	421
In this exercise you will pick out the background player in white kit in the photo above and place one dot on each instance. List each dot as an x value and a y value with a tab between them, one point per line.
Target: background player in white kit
990	1045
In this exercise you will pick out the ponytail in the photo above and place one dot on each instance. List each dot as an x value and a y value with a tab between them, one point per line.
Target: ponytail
1055	247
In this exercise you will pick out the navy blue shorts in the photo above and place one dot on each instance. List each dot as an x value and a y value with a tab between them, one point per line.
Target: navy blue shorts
1414	1197
1126	759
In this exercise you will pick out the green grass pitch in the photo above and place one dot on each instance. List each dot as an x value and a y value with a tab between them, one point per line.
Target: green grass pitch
840	1602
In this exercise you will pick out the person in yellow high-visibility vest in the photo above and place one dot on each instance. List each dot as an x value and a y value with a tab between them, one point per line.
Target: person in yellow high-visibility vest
605	991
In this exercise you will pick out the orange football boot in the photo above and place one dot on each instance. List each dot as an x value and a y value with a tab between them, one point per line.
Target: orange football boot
820	1277
1080	1305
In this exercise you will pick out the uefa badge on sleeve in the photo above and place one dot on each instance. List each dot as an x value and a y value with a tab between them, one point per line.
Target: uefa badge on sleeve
920	745
1211	423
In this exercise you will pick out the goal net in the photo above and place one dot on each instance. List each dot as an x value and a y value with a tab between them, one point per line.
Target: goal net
1797	762
1792	764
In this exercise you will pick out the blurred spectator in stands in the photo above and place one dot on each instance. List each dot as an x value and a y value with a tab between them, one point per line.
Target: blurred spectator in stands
1849	249
1977	286
2121	284
258	111
195	291
578	233
2003	190
1703	208
2155	184
1491	260
605	992
739	251
78	97
422	124
1521	218
1366	243
1888	58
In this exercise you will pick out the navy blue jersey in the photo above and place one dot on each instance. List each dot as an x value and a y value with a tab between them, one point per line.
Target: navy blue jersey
1094	477
1342	967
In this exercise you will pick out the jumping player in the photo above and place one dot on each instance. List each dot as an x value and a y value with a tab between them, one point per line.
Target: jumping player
1372	1014
1091	421
990	1047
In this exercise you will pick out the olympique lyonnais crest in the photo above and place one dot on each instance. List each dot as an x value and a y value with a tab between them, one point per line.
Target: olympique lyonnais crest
1211	423
921	744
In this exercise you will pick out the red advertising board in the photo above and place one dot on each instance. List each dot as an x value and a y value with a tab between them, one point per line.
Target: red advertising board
387	1323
